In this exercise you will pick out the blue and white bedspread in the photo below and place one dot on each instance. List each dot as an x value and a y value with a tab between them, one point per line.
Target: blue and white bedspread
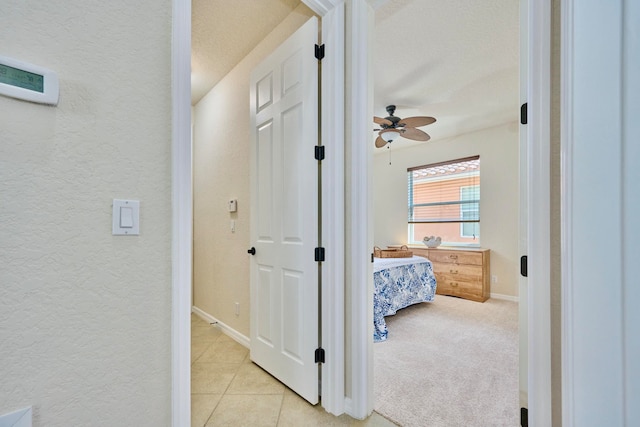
399	283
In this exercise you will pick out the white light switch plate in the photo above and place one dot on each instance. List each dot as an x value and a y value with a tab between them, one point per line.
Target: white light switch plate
126	217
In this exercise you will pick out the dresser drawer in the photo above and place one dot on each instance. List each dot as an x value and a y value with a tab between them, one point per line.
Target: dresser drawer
459	288
455	257
472	273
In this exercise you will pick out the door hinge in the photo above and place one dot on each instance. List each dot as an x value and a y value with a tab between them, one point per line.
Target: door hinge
319	52
523	113
523	266
319	254
524	417
319	357
319	152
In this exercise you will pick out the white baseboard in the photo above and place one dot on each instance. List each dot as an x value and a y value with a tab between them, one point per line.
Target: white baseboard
505	297
348	406
226	329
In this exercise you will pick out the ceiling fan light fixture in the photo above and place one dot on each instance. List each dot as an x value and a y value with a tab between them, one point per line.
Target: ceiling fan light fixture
390	135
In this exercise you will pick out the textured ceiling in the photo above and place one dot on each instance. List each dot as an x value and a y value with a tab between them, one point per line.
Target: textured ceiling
455	60
225	31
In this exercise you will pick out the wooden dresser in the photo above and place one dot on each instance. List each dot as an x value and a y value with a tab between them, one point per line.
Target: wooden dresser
461	272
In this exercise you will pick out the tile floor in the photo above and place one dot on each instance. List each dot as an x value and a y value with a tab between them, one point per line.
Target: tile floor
227	389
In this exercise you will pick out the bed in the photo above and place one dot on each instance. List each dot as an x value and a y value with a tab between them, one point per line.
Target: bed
399	283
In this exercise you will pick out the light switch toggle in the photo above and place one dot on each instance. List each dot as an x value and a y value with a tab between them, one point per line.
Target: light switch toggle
126	217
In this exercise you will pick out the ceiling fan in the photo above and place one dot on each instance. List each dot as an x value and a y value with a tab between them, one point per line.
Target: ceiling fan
393	126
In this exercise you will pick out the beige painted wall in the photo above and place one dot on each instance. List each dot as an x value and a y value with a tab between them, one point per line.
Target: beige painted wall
221	172
84	315
498	150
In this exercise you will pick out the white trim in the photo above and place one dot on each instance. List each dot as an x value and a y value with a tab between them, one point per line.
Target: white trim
538	206
359	180
523	306
504	297
630	206
600	348
322	7
181	225
226	329
567	209
332	132
348	405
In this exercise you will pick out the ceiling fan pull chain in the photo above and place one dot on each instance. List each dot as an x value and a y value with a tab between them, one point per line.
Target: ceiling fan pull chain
389	151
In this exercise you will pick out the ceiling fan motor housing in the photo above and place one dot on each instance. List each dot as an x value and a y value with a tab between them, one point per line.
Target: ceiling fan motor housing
393	119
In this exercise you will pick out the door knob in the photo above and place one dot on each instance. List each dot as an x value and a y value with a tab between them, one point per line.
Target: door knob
252	251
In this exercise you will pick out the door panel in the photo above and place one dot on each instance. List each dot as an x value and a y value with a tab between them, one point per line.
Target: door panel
284	213
264	180
264	310
293	192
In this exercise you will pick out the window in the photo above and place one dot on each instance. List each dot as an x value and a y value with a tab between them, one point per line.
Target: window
470	210
444	200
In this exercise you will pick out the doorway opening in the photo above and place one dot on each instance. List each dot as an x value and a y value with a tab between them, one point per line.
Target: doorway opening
434	81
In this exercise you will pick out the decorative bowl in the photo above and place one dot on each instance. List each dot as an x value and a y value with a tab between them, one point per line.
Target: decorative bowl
432	241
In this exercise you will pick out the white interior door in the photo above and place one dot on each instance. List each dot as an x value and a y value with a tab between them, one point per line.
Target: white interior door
284	213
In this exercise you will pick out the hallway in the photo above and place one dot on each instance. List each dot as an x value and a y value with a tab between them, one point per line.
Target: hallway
227	389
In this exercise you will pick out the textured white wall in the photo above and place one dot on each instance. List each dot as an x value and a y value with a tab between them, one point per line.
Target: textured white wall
221	172
498	150
84	315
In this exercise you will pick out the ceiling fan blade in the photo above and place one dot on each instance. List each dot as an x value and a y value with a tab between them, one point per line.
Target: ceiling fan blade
381	121
380	142
415	134
414	122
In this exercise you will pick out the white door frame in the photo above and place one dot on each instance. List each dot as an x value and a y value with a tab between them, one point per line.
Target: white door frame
360	26
182	215
332	14
538	213
523	245
600	341
332	113
538	130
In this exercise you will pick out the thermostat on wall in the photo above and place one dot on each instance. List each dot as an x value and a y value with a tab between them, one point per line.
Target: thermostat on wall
28	82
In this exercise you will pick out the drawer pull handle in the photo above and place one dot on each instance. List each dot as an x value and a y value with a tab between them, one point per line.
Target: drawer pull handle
453	271
453	256
454	284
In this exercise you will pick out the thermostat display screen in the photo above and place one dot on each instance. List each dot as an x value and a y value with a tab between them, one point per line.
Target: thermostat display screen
20	78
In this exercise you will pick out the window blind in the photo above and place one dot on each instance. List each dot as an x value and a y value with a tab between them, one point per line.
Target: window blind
447	192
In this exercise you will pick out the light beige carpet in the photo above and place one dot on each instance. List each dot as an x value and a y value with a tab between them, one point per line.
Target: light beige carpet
450	363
